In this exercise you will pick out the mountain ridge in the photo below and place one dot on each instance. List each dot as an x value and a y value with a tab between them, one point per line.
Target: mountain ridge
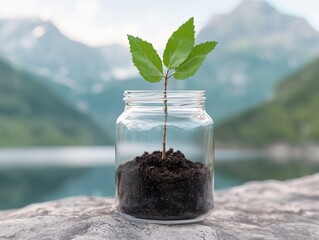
291	117
239	74
41	46
258	20
31	114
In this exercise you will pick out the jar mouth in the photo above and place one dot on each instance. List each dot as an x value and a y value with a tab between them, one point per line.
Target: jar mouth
153	94
161	91
188	98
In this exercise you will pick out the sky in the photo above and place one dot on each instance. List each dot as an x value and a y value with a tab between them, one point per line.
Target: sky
99	22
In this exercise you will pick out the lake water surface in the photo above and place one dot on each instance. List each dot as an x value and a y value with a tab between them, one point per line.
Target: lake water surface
39	174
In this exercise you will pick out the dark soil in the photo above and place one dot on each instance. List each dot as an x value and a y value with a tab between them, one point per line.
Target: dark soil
171	189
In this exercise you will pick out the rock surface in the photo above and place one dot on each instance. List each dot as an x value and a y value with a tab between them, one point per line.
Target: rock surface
260	210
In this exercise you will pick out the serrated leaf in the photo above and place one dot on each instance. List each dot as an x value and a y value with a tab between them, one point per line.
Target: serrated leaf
190	66
179	45
146	59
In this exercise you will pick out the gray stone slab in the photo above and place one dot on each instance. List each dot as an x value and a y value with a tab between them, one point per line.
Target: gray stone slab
259	210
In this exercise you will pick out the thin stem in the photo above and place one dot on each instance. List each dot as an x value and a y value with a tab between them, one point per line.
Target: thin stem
165	118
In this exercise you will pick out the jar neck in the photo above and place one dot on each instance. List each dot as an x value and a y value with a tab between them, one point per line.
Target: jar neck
155	99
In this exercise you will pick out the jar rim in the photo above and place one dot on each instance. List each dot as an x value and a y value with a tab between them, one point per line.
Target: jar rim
172	94
159	94
195	98
162	91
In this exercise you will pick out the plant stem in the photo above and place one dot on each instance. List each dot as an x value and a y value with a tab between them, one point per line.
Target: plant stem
165	118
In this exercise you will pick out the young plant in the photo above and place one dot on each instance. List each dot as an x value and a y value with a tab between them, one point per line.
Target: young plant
182	58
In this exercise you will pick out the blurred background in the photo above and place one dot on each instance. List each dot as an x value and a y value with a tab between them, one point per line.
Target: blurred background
65	64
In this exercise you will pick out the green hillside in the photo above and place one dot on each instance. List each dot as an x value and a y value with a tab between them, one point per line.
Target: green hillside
291	117
31	114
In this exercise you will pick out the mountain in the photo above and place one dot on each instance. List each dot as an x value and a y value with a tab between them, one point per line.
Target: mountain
255	24
291	117
40	46
257	47
31	114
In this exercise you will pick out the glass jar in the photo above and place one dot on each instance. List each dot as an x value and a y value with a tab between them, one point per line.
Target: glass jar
171	188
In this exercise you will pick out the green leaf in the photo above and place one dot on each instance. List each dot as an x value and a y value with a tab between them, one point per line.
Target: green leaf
146	59
179	45
194	60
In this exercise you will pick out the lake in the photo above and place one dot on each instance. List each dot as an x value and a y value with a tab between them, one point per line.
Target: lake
40	174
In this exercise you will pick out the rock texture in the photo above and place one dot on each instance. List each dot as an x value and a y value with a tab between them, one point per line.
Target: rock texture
260	210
